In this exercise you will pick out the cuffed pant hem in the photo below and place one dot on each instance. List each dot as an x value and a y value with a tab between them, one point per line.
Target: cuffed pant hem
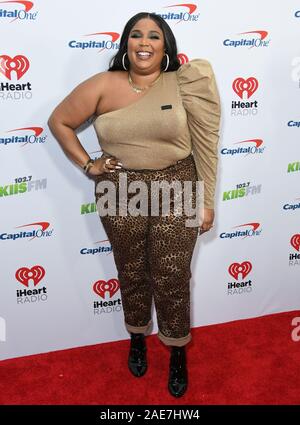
138	329
176	342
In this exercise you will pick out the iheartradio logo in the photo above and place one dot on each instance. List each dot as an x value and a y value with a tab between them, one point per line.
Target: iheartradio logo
245	88
24	274
101	287
182	57
295	242
19	64
236	268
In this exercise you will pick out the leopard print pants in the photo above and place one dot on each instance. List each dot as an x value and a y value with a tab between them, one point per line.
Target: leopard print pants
153	254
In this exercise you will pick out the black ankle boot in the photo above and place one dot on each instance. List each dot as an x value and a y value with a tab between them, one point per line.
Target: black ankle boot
178	377
137	360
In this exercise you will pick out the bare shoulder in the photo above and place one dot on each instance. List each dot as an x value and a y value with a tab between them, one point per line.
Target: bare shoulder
109	77
102	81
96	80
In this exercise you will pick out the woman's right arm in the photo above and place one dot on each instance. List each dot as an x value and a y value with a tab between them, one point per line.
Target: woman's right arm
72	112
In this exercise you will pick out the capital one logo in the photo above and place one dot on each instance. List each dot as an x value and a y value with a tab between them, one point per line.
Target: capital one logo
236	268
24	274
19	64
295	242
40	233
32	138
114	37
245	88
18	13
101	287
92	44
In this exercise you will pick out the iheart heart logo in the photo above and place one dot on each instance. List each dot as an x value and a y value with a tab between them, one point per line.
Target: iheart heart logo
182	57
102	286
240	85
295	242
243	268
19	64
36	273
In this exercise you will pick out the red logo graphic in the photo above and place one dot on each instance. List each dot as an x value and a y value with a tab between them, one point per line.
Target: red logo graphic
114	35
36	273
240	86
190	6
253	225
27	4
182	58
44	225
236	268
37	130
19	64
102	286
295	242
263	34
258	142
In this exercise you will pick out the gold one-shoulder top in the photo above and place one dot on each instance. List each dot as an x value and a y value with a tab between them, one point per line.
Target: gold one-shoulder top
178	115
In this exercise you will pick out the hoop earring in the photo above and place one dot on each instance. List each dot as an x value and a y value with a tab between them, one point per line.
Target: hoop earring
123	61
168	62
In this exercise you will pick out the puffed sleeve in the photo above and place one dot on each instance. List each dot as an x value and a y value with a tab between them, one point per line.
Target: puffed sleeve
201	101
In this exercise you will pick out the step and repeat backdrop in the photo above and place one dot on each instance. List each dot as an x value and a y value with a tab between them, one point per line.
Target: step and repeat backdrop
58	282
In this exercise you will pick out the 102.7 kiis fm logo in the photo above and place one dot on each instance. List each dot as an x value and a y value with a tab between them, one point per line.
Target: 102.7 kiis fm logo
242	190
293	166
107	289
25	276
22	185
14	68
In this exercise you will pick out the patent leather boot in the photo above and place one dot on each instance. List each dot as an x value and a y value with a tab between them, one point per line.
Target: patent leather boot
178	376
137	359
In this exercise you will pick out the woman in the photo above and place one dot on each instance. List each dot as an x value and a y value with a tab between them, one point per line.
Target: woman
156	121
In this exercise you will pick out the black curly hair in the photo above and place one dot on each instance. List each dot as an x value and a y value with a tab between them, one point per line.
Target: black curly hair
169	41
